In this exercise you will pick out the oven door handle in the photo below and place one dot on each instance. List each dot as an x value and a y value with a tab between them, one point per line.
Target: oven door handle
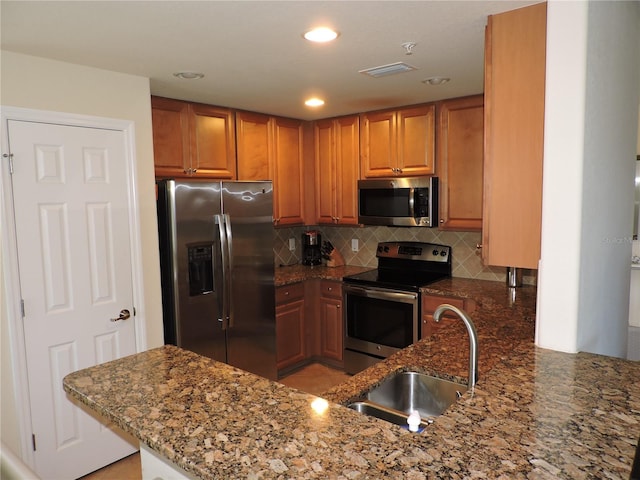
382	294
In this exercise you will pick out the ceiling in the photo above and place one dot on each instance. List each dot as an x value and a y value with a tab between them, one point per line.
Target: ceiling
253	55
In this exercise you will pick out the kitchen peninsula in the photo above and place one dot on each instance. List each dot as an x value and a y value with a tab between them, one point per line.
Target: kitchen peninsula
534	413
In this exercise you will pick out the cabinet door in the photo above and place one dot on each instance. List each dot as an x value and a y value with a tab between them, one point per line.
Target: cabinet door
213	142
325	162
378	148
515	50
170	120
337	146
331	321
253	133
288	191
290	334
460	136
347	168
290	325
416	141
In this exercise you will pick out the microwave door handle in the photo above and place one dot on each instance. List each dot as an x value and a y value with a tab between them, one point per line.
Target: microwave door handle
412	202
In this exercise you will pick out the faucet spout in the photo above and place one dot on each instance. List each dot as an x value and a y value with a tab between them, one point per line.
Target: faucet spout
473	338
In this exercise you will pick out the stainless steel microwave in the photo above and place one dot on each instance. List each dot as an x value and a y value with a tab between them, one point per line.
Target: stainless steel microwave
404	202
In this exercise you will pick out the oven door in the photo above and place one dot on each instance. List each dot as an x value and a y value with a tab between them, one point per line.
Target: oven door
379	321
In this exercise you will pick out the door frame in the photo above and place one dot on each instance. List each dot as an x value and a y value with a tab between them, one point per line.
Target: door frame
9	253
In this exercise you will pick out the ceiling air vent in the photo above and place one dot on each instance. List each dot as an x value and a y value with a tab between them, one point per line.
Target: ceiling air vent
391	69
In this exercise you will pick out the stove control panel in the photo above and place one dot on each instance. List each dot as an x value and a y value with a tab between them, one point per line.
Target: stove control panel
426	252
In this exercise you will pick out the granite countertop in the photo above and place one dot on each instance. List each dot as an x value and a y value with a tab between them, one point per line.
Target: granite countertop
534	413
288	274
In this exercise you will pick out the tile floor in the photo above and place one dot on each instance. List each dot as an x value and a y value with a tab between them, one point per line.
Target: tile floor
313	379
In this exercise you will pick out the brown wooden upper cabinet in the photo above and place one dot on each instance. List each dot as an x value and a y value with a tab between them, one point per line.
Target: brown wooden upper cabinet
398	143
192	139
515	48
336	144
270	148
460	135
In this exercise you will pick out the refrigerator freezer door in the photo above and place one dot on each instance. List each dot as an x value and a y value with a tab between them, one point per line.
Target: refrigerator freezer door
197	275
248	206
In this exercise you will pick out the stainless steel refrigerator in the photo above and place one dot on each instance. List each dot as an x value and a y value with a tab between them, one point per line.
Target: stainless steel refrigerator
217	265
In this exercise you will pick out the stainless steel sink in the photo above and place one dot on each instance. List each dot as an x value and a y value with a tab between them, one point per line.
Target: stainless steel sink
395	398
383	413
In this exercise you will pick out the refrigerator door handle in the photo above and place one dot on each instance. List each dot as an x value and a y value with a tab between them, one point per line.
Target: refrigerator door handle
222	295
228	301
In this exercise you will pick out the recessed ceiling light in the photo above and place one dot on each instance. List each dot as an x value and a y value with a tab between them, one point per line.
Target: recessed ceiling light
314	102
436	80
321	35
189	75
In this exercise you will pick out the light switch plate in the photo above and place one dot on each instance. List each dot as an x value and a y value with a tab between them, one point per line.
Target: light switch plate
355	245
292	244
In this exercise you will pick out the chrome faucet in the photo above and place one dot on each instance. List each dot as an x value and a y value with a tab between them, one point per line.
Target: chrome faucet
473	338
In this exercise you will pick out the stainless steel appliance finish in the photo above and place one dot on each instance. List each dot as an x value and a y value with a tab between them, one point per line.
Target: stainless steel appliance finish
217	266
382	307
403	202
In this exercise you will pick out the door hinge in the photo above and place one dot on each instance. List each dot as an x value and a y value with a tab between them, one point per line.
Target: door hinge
33	441
10	157
22	308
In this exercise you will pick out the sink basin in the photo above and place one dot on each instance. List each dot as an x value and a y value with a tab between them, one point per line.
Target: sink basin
395	398
383	413
408	391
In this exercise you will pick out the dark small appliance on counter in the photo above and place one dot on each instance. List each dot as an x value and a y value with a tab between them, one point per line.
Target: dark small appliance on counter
311	248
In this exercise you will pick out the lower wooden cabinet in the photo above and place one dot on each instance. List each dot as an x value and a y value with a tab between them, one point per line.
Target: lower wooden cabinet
290	326
331	322
429	305
309	324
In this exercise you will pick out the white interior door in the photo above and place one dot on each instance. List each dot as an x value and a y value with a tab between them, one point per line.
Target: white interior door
71	205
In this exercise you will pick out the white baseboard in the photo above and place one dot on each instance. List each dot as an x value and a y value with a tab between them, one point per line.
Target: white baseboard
633	344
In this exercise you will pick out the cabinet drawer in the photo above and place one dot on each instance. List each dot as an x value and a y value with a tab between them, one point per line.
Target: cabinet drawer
331	289
288	293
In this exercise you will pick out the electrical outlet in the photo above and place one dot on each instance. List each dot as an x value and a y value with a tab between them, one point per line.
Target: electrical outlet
355	245
292	244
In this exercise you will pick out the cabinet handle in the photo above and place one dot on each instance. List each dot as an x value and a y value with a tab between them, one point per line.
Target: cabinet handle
286	293
441	220
329	289
338	306
478	246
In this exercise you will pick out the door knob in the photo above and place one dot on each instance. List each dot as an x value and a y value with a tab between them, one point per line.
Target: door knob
124	314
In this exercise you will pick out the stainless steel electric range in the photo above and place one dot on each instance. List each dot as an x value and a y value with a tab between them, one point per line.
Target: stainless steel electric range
382	307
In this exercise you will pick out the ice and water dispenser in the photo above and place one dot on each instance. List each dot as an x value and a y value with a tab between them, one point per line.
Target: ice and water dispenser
200	268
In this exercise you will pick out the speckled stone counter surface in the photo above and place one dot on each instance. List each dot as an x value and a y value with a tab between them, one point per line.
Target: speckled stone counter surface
534	414
298	273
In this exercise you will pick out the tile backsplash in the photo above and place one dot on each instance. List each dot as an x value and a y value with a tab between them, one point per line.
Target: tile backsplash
466	260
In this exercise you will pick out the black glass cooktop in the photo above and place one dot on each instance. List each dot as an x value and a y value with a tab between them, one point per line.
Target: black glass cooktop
400	280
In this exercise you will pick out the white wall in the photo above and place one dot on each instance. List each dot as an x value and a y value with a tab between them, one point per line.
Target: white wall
37	83
593	81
